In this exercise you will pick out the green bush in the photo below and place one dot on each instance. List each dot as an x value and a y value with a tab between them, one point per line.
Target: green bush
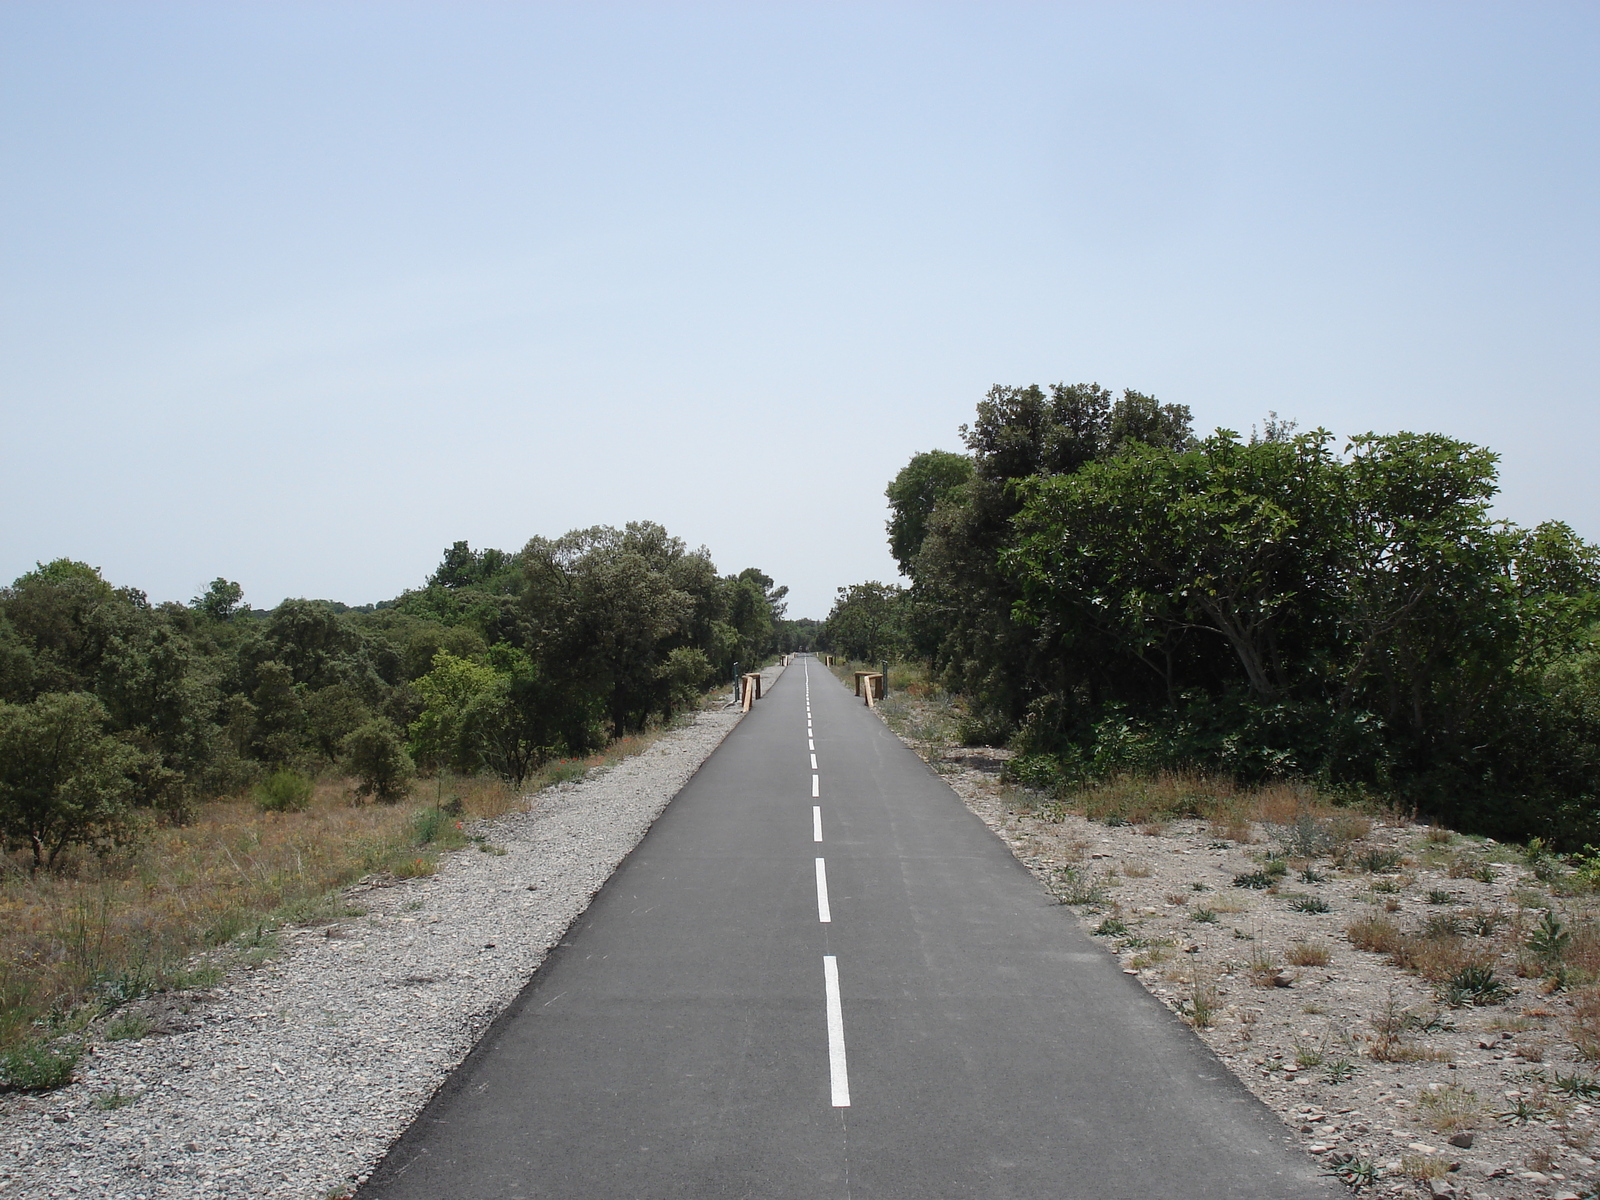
377	758
283	791
37	1066
985	728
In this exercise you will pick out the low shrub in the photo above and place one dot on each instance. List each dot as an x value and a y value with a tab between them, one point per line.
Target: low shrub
38	1066
283	791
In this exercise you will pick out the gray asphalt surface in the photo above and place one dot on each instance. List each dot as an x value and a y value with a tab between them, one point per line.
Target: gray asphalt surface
677	1043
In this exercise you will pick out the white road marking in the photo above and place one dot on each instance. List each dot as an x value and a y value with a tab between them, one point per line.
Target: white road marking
824	913
810	743
816	788
813	762
838	1069
816	822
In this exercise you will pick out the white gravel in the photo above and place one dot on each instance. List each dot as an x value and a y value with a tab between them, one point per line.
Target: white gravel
293	1079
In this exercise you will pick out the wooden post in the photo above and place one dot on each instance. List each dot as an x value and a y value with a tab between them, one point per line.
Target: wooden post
871	686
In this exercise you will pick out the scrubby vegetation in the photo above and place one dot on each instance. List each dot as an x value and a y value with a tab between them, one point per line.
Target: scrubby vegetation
178	777
1115	595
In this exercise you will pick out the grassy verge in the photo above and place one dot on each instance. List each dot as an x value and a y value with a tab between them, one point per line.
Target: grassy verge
187	903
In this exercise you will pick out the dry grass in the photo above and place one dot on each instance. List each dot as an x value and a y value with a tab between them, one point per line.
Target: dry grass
1583	1026
1308	954
1374	933
1450	1108
1237	813
76	942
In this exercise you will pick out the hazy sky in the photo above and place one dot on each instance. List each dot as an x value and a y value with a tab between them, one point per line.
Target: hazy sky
298	294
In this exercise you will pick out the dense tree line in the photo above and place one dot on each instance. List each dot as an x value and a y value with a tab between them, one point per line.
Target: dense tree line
1112	591
110	705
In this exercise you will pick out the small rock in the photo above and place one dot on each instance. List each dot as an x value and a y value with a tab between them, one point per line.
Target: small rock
1282	979
1462	1140
1441	1189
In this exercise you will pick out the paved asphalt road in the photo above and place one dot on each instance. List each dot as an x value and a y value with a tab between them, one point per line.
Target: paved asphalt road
823	977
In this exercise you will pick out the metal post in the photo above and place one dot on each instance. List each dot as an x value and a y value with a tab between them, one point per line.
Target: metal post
885	691
736	683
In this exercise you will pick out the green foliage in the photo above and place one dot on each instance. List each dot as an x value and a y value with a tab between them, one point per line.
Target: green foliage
1550	939
913	495
283	791
377	758
1474	984
221	601
63	780
1136	598
501	661
865	623
38	1066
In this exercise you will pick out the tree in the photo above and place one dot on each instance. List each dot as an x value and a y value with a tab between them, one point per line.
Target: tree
377	757
459	697
64	781
864	623
913	495
221	600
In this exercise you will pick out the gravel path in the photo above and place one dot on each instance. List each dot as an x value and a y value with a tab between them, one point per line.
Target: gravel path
292	1079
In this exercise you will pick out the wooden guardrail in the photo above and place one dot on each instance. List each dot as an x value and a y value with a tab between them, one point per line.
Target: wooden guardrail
869	685
749	690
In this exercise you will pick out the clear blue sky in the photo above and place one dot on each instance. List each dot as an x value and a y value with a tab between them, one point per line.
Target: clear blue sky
299	293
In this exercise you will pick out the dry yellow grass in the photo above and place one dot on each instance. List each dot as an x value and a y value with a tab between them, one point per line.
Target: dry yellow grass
105	929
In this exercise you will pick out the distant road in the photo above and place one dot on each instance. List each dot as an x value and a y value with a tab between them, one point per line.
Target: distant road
820	976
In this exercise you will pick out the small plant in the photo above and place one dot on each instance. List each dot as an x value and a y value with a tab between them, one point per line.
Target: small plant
1385	887
1201	1010
113	1099
1440	897
129	1027
1442	925
283	791
37	1066
1311	876
1111	927
1377	861
1309	1056
1579	1087
1483	922
1355	1172
1072	887
1263	969
1203	916
1451	1107
1420	1168
1375	933
1474	984
1551	939
1199	887
1339	1071
1308	954
1257	880
1522	1111
1310	904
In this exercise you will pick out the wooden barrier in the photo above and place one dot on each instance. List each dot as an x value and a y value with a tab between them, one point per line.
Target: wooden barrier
869	684
750	689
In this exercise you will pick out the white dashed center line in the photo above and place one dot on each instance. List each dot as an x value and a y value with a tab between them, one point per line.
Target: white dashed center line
838	1069
816	822
816	787
824	913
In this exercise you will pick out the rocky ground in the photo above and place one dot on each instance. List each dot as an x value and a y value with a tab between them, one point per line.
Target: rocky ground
292	1077
1397	1084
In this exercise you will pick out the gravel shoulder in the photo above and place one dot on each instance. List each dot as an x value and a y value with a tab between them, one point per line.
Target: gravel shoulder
1454	1101
292	1078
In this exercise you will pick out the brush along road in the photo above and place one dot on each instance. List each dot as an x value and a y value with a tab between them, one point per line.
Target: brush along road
819	975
